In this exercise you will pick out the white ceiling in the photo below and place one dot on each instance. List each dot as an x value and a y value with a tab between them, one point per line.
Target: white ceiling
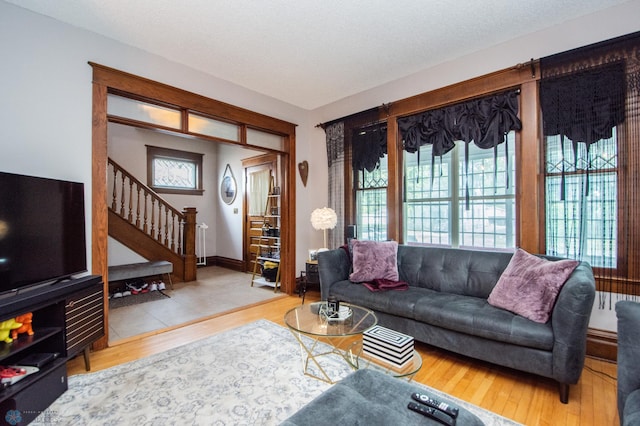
313	52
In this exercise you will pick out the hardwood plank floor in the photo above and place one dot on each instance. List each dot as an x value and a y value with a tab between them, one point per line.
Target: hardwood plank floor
525	398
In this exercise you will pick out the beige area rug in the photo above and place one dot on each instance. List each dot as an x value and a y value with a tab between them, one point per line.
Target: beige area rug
251	375
215	291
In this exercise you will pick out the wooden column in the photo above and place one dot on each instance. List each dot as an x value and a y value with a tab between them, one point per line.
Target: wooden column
530	191
190	260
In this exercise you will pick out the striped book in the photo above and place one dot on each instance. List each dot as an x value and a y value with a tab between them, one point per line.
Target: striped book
388	346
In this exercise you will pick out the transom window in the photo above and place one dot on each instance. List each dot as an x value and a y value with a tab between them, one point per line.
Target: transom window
175	172
449	205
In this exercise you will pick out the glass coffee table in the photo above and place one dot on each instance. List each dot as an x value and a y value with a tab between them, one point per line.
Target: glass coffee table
311	325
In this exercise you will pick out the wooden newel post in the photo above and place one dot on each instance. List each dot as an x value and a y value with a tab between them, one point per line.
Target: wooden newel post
190	243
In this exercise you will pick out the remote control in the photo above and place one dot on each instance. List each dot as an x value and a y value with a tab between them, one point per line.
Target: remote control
434	403
432	413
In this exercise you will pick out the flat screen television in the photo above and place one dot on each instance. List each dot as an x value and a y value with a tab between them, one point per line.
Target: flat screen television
42	231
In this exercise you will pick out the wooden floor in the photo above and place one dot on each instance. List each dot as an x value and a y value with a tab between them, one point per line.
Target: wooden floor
525	398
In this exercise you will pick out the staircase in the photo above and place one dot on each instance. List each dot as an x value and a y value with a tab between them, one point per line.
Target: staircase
145	223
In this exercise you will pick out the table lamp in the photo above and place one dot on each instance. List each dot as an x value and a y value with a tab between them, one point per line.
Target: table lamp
323	219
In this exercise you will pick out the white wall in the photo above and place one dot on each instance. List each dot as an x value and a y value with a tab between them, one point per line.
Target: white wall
228	228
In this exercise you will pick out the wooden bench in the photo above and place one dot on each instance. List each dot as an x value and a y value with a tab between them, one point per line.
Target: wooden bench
141	270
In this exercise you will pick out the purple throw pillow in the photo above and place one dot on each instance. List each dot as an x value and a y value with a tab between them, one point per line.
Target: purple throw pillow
530	285
374	260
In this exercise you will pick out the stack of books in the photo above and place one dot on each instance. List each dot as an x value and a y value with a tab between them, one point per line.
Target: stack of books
388	346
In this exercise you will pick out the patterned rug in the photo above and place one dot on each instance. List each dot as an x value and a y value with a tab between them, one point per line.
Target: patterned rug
251	375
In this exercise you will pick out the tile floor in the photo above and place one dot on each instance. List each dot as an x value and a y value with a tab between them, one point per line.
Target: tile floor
216	290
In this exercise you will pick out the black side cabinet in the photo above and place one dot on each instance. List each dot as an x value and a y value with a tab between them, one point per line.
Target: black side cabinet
84	320
54	331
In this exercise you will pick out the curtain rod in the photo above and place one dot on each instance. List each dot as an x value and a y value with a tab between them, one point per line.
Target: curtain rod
531	63
385	107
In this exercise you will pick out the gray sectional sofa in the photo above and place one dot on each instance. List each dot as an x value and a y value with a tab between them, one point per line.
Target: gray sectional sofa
446	306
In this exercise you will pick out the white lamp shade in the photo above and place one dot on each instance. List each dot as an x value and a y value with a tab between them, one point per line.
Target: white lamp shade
324	218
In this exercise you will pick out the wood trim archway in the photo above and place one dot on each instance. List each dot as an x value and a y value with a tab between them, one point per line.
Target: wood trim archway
106	80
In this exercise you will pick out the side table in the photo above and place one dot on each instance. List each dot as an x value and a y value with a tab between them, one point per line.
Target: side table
308	277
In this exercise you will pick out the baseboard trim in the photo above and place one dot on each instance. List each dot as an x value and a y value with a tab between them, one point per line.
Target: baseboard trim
225	262
602	344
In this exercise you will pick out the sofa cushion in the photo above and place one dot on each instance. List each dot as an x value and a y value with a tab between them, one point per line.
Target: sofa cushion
530	285
474	316
456	271
394	302
374	260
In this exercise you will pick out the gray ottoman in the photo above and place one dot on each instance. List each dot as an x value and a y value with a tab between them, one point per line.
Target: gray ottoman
369	397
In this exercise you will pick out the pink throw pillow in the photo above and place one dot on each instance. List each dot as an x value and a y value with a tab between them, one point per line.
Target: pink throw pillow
374	260
530	285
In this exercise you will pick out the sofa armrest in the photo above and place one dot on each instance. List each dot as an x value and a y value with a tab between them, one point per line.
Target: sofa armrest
628	314
570	321
333	266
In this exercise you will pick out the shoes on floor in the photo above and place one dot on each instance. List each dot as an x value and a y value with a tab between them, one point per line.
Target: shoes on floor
161	285
137	287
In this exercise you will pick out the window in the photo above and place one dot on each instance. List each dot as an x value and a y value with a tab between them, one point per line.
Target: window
437	210
582	225
174	172
371	202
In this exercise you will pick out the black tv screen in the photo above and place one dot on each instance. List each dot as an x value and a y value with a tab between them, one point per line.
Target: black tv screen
42	230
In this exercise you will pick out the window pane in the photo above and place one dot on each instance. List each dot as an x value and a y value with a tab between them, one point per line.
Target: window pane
143	111
435	210
371	203
427	218
216	128
603	155
372	214
583	227
428	223
265	140
489	223
585	224
171	173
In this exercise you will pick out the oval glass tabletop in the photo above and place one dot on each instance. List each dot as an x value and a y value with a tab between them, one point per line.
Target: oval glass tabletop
313	319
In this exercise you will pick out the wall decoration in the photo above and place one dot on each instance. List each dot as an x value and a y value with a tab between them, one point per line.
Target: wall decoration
228	187
303	168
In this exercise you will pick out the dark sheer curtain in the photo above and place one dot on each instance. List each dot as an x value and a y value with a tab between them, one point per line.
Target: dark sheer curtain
591	124
357	136
484	121
335	159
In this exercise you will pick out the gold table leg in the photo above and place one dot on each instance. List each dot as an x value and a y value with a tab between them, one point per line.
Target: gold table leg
307	354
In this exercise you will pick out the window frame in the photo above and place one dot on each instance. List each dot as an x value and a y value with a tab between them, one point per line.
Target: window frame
154	152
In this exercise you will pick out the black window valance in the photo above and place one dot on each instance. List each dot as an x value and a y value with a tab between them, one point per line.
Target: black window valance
484	121
369	145
584	106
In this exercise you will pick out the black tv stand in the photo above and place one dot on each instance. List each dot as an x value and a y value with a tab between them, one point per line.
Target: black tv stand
67	318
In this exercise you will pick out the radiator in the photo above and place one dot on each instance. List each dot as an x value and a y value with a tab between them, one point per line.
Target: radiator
201	244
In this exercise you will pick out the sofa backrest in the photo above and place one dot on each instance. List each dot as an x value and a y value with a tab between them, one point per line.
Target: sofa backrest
458	271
